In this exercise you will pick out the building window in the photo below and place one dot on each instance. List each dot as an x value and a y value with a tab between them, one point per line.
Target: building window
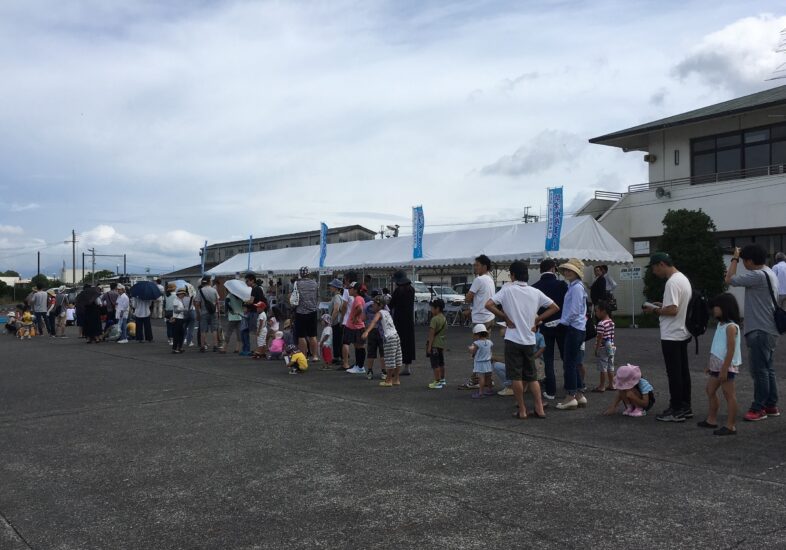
737	155
641	248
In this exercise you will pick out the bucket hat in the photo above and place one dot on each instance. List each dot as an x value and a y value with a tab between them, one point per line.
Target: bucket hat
477	329
627	377
575	265
336	283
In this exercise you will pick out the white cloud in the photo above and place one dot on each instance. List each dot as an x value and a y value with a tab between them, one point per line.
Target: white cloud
547	149
11	230
738	57
16	207
178	241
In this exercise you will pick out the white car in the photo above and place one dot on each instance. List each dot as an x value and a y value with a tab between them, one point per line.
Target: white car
422	292
448	295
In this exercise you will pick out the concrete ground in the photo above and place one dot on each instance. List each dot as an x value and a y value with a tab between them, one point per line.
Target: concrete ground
113	446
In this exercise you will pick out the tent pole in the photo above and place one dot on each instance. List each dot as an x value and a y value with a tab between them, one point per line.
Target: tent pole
632	303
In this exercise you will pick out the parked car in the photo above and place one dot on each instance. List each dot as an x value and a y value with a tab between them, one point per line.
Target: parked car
462	288
422	291
448	295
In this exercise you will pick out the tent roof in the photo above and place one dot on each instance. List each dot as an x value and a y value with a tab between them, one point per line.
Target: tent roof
582	237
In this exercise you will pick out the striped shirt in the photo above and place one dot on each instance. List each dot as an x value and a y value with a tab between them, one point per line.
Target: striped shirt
605	330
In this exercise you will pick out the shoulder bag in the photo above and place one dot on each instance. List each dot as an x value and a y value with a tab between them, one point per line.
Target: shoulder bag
780	314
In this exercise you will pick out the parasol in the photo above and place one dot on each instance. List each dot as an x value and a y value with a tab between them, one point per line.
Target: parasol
238	288
145	290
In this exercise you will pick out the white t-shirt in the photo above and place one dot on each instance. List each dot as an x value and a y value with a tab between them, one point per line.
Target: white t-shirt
348	300
521	303
678	293
483	289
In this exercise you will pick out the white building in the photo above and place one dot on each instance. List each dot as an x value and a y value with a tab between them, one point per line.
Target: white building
728	160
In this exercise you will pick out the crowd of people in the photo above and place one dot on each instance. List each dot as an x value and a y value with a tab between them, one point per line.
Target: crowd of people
364	325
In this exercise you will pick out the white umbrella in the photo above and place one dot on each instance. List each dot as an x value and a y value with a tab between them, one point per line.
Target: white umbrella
238	288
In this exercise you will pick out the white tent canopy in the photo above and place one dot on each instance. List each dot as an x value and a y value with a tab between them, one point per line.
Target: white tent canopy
582	237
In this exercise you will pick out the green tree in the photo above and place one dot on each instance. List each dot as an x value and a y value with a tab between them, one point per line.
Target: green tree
103	274
9	273
688	236
40	279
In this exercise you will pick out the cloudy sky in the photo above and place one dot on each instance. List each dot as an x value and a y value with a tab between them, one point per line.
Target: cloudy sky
151	126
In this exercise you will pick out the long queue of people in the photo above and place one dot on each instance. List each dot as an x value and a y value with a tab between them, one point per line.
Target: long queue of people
363	325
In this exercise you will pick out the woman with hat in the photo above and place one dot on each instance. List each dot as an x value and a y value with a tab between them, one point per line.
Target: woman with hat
574	318
336	301
402	303
169	302
178	321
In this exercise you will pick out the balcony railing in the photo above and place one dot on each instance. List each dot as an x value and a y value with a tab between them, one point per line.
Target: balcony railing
762	171
608	195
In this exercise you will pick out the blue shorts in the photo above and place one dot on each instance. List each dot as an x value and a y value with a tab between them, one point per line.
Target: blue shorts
716	374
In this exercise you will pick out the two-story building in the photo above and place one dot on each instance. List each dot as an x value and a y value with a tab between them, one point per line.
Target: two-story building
728	160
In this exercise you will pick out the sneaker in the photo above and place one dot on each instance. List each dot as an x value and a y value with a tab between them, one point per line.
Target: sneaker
357	370
628	410
169	341
477	395
687	413
383	376
637	412
370	374
435	385
122	341
505	392
191	345
754	416
292	371
468	385
670	416
386	384
772	411
549	397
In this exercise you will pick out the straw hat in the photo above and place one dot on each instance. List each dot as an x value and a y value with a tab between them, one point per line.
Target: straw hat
575	265
627	377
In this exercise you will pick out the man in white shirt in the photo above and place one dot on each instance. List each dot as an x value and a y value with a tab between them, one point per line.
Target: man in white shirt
674	335
121	313
158	304
480	292
520	304
780	271
39	302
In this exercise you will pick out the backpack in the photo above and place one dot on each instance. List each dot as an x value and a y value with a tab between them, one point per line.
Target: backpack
698	317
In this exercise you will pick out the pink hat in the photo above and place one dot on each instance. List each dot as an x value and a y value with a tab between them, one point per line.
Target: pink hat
627	377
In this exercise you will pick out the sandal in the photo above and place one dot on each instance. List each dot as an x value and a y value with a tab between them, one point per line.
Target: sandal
598	390
725	431
535	414
517	414
705	424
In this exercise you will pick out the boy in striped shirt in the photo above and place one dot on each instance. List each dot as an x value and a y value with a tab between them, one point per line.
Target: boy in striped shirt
604	347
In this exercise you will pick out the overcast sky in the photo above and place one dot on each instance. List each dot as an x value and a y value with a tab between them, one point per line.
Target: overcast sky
151	126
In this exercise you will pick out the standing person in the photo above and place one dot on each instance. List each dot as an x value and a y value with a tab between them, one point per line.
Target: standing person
109	299
354	327
189	319
724	363
158	304
336	289
178	320
605	347
674	336
61	311
780	271
553	332
306	314
206	301
169	305
121	313
481	290
39	301
574	319
346	303
520	304
402	304
251	314
392	356
51	299
481	355
761	334
234	317
436	344
144	329
599	290
375	341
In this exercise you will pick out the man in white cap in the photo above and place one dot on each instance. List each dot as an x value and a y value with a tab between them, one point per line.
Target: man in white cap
121	313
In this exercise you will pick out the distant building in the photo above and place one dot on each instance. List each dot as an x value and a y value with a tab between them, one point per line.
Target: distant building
219	252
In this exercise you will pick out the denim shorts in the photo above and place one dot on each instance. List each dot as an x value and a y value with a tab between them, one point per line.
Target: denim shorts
716	374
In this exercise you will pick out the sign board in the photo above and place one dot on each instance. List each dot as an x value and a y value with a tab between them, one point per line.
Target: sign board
324	272
631	273
554	220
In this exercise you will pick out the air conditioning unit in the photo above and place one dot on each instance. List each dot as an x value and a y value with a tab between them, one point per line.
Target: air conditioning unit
662	192
650	158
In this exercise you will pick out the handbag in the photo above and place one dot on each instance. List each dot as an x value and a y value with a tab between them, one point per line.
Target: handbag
294	298
780	314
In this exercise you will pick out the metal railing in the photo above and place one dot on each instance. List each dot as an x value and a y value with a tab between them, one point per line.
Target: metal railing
608	195
762	171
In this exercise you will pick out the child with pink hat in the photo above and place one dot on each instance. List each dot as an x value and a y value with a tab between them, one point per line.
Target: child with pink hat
634	392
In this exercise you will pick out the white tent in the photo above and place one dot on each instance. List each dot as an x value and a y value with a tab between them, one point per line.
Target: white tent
582	237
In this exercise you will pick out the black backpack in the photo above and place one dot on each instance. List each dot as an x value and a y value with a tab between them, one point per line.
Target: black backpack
698	316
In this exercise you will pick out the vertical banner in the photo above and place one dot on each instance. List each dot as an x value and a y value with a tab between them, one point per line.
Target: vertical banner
554	224
204	253
323	229
250	238
417	232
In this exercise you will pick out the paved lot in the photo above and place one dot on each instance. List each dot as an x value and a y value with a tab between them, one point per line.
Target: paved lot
110	446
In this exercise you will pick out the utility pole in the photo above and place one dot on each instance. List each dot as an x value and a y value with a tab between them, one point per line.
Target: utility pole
73	255
529	217
83	267
39	264
93	266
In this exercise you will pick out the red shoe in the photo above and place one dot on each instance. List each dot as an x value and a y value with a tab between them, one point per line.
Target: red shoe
772	411
753	416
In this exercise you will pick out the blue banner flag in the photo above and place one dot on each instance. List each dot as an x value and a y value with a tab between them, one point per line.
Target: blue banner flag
418	224
322	244
554	224
204	253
